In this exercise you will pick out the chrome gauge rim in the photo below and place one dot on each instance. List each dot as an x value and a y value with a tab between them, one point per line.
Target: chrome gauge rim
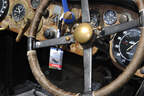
18	12
124	45
110	17
35	3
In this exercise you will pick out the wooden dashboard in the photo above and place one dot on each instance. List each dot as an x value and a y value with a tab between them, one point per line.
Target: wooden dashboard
51	16
53	9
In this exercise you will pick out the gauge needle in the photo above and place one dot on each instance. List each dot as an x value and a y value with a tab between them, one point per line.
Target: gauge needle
19	10
132	46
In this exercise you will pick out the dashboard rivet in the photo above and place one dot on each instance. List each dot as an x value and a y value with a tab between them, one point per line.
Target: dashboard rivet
99	28
67	38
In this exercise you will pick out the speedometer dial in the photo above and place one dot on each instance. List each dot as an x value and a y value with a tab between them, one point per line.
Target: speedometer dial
110	17
124	45
3	7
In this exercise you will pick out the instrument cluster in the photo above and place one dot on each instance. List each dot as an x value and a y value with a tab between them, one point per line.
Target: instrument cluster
17	15
122	45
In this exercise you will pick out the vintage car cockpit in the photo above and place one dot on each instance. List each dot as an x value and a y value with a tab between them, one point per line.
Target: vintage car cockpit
71	47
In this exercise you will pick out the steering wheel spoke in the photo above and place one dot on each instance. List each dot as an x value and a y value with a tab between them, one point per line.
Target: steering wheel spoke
87	59
85	11
56	41
106	31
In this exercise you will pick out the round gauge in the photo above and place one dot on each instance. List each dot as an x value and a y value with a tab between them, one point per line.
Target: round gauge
3	7
95	18
110	17
124	45
18	12
35	3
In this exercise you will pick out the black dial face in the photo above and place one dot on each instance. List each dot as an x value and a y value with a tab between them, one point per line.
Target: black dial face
18	12
110	17
95	18
3	7
35	3
124	45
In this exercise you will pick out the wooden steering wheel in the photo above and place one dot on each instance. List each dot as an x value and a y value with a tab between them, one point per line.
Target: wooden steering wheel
114	85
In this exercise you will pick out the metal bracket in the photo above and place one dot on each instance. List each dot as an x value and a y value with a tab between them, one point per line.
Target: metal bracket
30	43
87	94
56	41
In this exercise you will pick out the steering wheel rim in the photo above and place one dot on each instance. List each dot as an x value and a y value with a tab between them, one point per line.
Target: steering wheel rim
114	85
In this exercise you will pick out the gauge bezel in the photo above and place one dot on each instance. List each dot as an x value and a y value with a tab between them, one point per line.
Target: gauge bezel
97	14
4	9
15	19
114	61
29	13
118	43
115	14
32	4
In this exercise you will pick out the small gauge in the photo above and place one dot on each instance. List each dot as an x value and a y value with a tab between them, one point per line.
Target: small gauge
56	13
18	12
124	45
95	18
110	17
35	3
3	7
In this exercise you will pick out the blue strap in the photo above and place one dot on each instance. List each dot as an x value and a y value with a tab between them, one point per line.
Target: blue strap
65	6
69	21
66	9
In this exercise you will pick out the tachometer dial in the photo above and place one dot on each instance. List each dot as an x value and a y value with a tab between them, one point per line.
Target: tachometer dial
3	7
18	12
35	3
124	46
95	18
110	17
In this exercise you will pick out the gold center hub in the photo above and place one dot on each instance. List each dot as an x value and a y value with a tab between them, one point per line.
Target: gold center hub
83	33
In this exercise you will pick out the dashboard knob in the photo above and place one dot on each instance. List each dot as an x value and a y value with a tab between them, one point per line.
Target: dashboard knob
50	33
46	14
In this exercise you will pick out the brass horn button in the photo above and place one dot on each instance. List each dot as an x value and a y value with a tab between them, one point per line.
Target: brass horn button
83	33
